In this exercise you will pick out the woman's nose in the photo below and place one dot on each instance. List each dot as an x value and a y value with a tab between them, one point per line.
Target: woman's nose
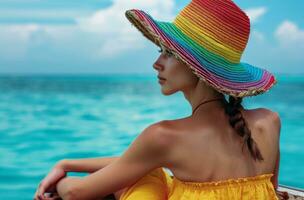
158	65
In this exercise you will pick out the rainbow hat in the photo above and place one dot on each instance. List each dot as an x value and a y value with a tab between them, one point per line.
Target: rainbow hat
209	36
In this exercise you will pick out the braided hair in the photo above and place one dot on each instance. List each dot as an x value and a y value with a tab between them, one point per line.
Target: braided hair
236	120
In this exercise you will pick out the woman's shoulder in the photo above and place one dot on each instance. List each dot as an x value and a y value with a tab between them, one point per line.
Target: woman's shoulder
162	130
265	117
168	130
263	112
266	122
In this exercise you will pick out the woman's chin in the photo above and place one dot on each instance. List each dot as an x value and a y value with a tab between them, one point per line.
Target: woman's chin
166	91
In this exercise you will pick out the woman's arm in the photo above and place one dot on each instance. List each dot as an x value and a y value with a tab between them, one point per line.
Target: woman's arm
274	179
149	151
89	165
276	121
59	171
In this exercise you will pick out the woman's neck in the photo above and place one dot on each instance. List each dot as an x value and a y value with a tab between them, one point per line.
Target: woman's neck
202	93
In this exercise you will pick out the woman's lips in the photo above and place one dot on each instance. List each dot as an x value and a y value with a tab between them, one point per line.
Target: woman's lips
161	80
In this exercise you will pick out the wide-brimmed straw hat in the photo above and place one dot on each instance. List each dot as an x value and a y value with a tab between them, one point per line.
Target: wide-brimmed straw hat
209	36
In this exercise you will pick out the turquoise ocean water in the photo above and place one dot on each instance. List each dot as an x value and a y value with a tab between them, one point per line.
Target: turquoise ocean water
47	118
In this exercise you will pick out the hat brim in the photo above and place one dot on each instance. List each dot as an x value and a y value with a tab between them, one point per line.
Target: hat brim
235	79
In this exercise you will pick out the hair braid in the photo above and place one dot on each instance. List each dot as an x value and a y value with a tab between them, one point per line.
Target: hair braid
236	120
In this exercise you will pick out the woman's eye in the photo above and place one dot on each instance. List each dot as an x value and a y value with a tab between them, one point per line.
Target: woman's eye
166	51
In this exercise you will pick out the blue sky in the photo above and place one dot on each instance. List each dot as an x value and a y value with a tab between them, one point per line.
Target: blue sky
76	36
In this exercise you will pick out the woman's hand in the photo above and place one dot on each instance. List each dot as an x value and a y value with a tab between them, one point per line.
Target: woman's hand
48	184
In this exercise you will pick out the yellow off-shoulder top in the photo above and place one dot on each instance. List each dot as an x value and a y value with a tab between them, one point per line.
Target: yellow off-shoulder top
159	185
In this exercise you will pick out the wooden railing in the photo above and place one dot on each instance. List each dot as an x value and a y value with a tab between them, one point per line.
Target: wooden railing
290	193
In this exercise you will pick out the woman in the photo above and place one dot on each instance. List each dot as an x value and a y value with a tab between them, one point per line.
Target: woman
221	151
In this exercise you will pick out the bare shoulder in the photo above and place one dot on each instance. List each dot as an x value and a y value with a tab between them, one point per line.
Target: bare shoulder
152	145
159	133
267	121
269	118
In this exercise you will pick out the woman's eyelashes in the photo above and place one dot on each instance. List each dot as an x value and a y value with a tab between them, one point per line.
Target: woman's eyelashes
167	52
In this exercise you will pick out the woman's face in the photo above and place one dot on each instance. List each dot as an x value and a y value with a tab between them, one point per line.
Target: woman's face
173	74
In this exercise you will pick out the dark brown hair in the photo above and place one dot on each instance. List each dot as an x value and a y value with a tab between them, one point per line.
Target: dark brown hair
236	120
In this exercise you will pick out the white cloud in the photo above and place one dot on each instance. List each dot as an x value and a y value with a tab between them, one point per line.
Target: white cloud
280	53
290	40
14	39
255	13
48	14
104	33
17	39
289	34
111	24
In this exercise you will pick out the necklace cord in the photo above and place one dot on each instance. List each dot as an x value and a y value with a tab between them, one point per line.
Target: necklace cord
204	102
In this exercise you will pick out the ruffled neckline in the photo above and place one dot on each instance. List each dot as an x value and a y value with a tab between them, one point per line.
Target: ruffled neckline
231	181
